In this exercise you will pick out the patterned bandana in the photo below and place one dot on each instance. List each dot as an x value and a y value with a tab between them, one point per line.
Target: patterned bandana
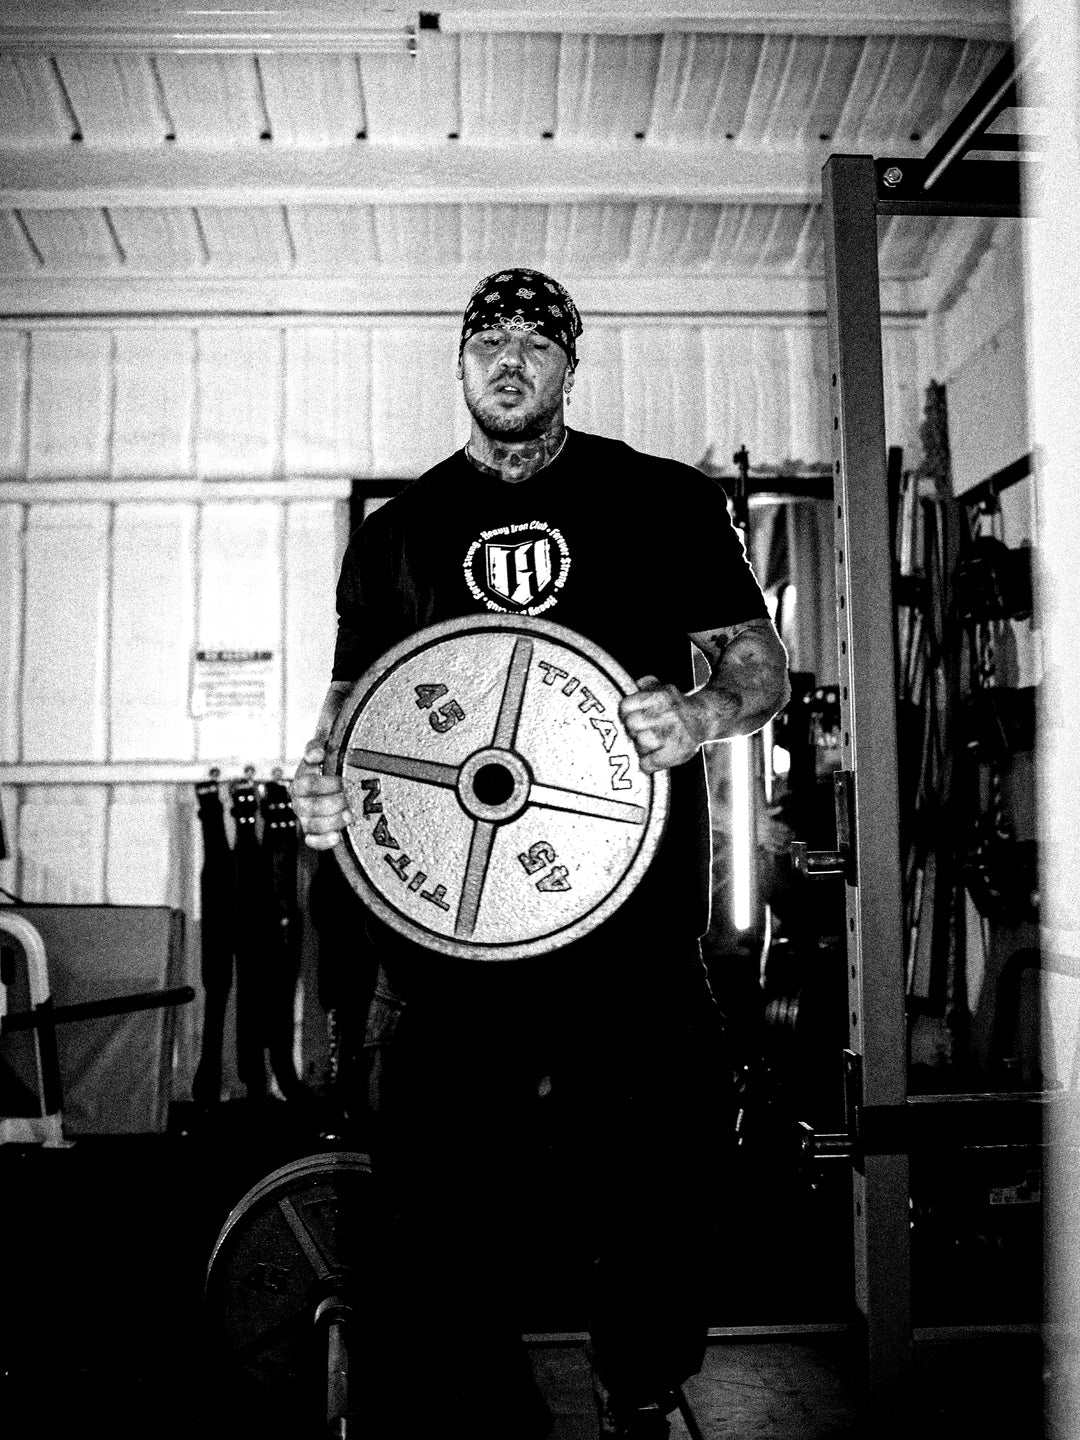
523	300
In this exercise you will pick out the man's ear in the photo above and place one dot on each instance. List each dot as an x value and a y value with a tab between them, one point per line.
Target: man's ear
459	370
568	381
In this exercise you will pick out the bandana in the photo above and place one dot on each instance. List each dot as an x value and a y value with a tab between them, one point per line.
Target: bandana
523	300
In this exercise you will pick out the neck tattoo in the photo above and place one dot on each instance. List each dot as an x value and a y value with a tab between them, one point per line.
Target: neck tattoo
518	460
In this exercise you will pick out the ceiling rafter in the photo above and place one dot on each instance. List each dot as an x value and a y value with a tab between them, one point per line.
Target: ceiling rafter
974	19
452	172
688	297
328	27
164	26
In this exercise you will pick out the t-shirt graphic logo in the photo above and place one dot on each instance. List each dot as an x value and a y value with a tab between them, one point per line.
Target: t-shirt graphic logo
519	573
518	569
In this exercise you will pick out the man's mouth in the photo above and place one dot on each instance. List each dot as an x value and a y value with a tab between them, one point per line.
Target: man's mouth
508	388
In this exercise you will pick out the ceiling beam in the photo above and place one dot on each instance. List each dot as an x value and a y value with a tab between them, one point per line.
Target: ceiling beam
339	300
968	19
159	25
275	25
370	174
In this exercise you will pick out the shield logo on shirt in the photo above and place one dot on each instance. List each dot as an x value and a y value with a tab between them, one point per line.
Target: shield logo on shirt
519	573
517	570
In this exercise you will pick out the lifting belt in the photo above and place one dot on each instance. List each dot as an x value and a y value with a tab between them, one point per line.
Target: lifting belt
216	893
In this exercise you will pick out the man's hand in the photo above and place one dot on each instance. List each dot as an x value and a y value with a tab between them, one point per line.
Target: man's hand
318	800
748	684
666	726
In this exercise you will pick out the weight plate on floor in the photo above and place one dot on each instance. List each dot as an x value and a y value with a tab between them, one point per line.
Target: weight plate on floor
300	1229
499	810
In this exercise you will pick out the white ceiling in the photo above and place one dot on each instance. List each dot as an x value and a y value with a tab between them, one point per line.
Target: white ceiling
659	158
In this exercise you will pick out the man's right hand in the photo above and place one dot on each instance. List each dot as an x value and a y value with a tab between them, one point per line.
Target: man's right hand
318	800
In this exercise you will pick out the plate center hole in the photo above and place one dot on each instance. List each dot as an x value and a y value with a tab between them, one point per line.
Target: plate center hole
493	784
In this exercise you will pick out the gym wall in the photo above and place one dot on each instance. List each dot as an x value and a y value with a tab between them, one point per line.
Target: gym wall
168	485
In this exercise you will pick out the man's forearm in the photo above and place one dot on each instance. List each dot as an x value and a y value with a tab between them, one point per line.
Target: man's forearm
748	683
336	696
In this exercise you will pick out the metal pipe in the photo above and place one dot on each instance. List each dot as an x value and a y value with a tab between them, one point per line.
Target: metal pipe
337	1379
29	938
94	1009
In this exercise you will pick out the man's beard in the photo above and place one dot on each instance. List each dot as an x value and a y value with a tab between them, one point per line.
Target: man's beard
512	428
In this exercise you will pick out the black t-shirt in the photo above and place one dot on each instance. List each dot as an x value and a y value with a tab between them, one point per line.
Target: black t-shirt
630	550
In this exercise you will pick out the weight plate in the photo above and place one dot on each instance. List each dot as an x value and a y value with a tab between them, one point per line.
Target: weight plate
499	810
300	1227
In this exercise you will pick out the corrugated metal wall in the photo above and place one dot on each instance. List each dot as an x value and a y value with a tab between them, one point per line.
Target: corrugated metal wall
234	399
167	486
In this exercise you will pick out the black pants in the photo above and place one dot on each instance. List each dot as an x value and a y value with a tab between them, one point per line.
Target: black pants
572	1091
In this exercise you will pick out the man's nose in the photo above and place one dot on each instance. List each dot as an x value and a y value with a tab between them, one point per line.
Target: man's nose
513	356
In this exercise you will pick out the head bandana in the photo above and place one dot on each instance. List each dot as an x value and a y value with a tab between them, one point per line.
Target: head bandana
523	300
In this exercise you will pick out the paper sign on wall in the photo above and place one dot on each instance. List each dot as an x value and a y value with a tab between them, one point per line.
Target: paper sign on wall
234	682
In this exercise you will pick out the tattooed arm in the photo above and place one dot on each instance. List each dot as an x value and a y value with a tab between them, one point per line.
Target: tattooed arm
749	680
748	685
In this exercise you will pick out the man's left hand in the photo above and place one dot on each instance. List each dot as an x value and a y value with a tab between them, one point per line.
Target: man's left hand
666	726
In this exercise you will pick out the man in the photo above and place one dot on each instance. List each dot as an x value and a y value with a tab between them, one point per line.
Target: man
594	1046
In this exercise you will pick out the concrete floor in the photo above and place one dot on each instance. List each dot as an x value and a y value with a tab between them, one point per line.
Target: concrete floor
797	1389
806	1387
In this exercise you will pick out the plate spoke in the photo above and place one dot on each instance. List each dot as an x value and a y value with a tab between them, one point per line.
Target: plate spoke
513	695
553	797
428	772
476	868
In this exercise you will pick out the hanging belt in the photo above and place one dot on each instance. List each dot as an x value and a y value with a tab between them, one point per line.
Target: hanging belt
216	891
251	904
282	930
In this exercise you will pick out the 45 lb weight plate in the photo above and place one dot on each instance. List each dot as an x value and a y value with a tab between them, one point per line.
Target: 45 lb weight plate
499	810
